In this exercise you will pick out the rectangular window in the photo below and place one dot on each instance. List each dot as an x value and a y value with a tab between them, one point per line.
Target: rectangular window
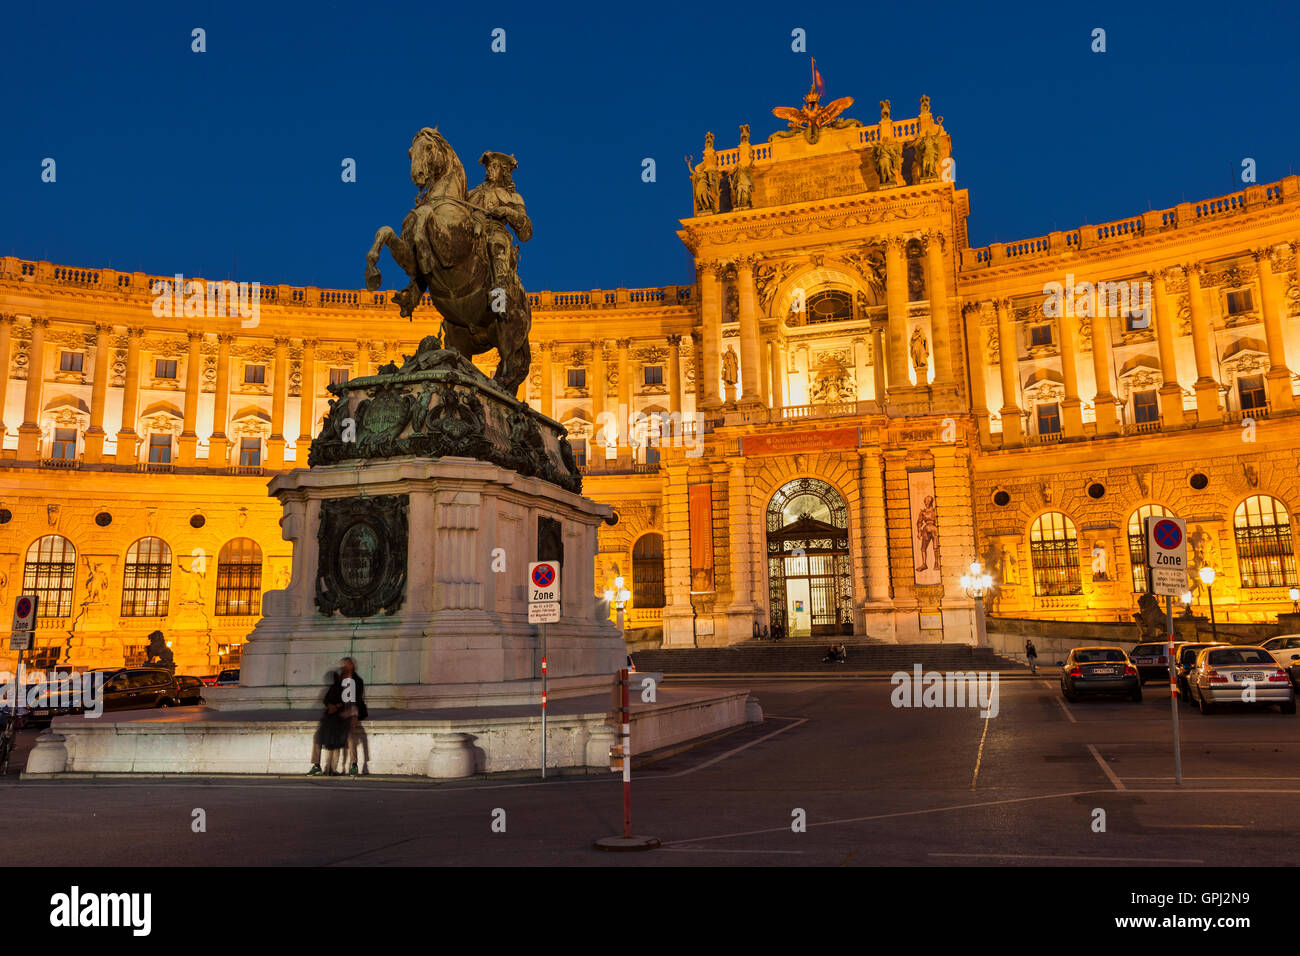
164	368
654	374
255	374
579	446
1040	335
1145	407
71	361
1251	390
160	449
1240	301
1049	419
65	443
577	378
338	376
250	452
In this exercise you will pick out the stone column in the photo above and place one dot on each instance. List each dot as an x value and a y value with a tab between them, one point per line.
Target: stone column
94	447
1281	398
624	396
778	374
127	439
896	301
977	365
193	375
219	444
674	386
29	432
363	359
1071	406
6	336
1107	417
597	387
679	617
1008	362
280	394
751	375
306	399
742	548
1171	393
878	360
547	351
707	378
940	318
875	536
1207	388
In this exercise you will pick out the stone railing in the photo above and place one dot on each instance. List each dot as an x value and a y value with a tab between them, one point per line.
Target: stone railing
1132	227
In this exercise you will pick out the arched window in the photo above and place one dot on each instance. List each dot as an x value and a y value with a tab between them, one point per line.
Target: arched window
1054	554
147	579
648	571
239	578
1264	553
1137	543
49	572
831	305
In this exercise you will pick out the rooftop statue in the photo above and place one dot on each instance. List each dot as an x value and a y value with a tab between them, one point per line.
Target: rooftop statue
455	246
811	118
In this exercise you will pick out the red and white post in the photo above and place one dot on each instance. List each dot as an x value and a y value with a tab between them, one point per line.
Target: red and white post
621	758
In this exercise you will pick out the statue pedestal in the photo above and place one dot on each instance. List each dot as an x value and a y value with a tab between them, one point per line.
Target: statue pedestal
423	563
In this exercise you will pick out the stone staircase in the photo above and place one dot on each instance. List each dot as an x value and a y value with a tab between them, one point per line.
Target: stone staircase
804	657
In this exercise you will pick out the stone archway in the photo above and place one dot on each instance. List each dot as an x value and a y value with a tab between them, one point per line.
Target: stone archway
810	577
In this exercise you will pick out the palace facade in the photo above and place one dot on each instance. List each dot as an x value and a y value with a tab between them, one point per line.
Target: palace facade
847	408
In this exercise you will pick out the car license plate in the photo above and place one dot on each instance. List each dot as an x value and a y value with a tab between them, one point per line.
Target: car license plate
1250	675
41	713
1105	670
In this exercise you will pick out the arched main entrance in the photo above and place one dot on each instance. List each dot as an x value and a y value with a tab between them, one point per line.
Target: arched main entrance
810	578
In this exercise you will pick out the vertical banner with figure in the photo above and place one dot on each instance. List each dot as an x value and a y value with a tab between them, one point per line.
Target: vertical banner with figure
925	526
701	524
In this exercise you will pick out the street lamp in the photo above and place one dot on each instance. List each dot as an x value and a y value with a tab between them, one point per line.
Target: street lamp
1186	598
1295	600
618	596
976	584
1207	578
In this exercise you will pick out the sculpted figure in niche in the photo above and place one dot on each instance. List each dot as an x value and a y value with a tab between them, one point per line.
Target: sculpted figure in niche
1099	559
742	188
704	185
887	154
920	349
730	367
927	156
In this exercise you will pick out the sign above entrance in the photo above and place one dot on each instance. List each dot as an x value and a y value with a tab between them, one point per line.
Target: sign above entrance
813	439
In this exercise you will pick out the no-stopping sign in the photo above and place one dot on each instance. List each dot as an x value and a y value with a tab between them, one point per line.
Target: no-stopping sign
543	581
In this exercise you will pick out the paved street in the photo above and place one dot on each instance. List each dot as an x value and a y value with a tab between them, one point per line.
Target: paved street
879	785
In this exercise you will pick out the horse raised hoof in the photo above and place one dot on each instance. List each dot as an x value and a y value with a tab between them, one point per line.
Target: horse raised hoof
373	278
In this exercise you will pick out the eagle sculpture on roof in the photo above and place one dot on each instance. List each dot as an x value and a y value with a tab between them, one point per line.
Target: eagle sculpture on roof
810	118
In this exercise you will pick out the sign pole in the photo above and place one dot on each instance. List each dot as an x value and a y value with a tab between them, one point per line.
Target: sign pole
1173	691
543	627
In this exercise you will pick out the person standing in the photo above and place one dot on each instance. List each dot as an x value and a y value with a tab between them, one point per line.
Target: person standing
354	708
1031	654
331	733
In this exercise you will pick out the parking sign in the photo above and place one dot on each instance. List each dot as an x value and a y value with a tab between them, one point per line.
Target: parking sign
24	622
1167	555
543	582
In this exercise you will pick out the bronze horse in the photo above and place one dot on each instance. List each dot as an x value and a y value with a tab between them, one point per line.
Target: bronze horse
443	248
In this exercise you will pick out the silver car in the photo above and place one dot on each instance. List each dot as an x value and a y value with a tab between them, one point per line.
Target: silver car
1239	675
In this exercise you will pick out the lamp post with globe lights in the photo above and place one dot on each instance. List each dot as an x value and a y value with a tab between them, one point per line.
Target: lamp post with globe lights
976	584
1207	578
618	595
1294	594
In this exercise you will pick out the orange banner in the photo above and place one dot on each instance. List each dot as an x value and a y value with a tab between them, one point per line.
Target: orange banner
701	525
815	439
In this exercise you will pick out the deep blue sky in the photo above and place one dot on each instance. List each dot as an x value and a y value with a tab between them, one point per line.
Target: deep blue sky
171	161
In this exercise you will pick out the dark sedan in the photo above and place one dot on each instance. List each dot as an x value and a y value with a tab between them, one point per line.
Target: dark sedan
189	690
1098	671
1152	661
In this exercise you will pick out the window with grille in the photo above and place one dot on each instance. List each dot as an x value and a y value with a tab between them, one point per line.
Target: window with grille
654	374
1137	543
577	378
71	361
648	571
833	305
64	444
250	452
134	655
160	449
239	578
338	376
1240	301
1054	555
43	658
255	374
164	368
49	573
579	446
1264	554
1049	419
1250	388
1040	335
147	578
1145	407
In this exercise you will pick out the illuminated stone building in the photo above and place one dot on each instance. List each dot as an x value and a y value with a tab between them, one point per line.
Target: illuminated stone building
849	406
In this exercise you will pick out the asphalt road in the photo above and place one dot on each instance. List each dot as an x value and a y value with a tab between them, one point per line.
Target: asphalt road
877	785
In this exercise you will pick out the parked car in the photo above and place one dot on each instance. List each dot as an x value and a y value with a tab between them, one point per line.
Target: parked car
1151	660
189	690
228	678
209	680
1184	660
1285	649
1091	671
1222	674
125	688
